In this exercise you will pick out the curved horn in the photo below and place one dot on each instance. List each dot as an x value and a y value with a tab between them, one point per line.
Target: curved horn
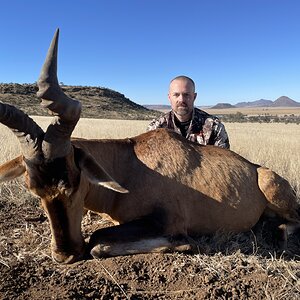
57	138
30	135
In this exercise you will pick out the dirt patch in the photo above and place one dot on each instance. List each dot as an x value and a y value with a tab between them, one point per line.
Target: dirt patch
244	266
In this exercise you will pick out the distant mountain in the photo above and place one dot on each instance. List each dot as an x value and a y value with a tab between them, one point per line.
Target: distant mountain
222	106
257	103
158	107
284	101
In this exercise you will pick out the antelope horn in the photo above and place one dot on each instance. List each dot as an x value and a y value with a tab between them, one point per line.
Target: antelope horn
57	137
48	75
30	135
50	91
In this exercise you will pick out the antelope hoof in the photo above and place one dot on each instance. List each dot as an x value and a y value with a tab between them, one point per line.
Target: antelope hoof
63	257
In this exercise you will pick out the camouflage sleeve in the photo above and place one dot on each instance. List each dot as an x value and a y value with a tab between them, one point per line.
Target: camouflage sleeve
157	123
153	125
221	137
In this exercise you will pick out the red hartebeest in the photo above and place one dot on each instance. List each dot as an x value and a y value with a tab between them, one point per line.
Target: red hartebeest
158	186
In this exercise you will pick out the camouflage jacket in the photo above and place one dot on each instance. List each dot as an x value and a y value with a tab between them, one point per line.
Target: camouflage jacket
204	128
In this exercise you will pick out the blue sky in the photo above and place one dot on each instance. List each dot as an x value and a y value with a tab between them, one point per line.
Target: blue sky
235	50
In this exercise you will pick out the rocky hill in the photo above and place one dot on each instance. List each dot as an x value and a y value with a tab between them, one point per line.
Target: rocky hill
96	102
285	101
223	105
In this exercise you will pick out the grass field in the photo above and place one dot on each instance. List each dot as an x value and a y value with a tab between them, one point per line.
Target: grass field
254	111
250	111
276	146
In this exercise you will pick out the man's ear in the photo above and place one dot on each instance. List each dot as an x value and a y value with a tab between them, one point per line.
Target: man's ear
195	96
169	97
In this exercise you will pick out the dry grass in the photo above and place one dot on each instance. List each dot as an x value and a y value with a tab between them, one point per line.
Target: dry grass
276	146
220	266
250	111
254	111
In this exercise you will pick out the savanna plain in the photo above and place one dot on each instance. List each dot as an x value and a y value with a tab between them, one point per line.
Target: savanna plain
225	266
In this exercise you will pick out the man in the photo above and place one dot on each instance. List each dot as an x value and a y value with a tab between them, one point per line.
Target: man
194	124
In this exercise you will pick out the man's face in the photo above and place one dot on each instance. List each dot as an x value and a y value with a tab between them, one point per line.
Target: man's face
182	97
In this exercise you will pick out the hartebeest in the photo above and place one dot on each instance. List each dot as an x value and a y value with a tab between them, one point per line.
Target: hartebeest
158	186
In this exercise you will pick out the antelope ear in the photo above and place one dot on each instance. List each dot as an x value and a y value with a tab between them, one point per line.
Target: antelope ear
95	173
12	169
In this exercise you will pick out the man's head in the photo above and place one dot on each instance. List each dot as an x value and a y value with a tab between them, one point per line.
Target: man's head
182	97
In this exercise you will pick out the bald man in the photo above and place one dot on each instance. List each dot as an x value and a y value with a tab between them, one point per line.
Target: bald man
194	124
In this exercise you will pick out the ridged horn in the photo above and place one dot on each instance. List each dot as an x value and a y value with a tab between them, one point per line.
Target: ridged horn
30	135
50	91
57	137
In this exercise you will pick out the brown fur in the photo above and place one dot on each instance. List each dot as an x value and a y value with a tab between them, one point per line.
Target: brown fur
12	169
203	189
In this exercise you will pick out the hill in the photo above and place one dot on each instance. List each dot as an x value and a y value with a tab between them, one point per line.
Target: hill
96	102
222	106
285	101
257	103
158	107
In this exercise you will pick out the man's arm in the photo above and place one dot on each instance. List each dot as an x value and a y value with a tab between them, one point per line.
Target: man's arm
221	137
161	122
153	125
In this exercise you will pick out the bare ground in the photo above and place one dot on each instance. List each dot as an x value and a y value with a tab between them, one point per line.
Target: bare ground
241	266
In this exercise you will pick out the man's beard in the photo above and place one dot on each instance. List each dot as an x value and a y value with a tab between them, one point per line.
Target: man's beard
182	110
